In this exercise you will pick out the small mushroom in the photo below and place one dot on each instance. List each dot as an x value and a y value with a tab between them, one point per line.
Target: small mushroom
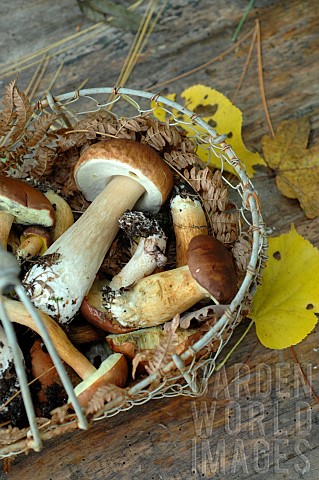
63	214
155	299
189	220
34	241
149	253
112	370
115	175
21	203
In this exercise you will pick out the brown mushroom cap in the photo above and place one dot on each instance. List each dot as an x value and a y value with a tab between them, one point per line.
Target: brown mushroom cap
212	266
113	371
105	159
28	205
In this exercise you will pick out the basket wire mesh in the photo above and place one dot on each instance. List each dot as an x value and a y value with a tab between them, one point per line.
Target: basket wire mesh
191	375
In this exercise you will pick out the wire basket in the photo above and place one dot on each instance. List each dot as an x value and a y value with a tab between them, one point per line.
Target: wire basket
185	374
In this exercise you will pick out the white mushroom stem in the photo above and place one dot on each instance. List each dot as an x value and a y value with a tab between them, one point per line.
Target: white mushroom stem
6	221
189	220
148	255
155	299
59	287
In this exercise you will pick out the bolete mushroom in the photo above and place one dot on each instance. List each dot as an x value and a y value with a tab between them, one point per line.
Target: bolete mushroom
115	175
189	220
34	241
149	252
112	370
155	299
21	203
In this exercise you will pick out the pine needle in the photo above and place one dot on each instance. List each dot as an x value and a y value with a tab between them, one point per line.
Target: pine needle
204	65
315	396
34	77
39	77
55	77
140	40
242	21
9	68
261	80
246	66
220	365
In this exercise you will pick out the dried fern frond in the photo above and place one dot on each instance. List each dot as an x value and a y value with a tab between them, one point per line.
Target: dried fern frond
242	252
59	414
24	112
225	226
209	184
103	395
40	127
15	116
156	359
8	114
180	160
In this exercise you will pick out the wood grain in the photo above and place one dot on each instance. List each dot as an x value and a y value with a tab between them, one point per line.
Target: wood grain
264	404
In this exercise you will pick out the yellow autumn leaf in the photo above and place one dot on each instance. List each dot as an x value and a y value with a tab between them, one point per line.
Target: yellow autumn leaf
218	111
295	165
285	303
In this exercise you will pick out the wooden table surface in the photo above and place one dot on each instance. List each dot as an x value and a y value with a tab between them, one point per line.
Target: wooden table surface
258	420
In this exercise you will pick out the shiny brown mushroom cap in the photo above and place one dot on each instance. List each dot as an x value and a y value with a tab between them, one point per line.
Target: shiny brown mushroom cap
119	156
212	266
27	204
